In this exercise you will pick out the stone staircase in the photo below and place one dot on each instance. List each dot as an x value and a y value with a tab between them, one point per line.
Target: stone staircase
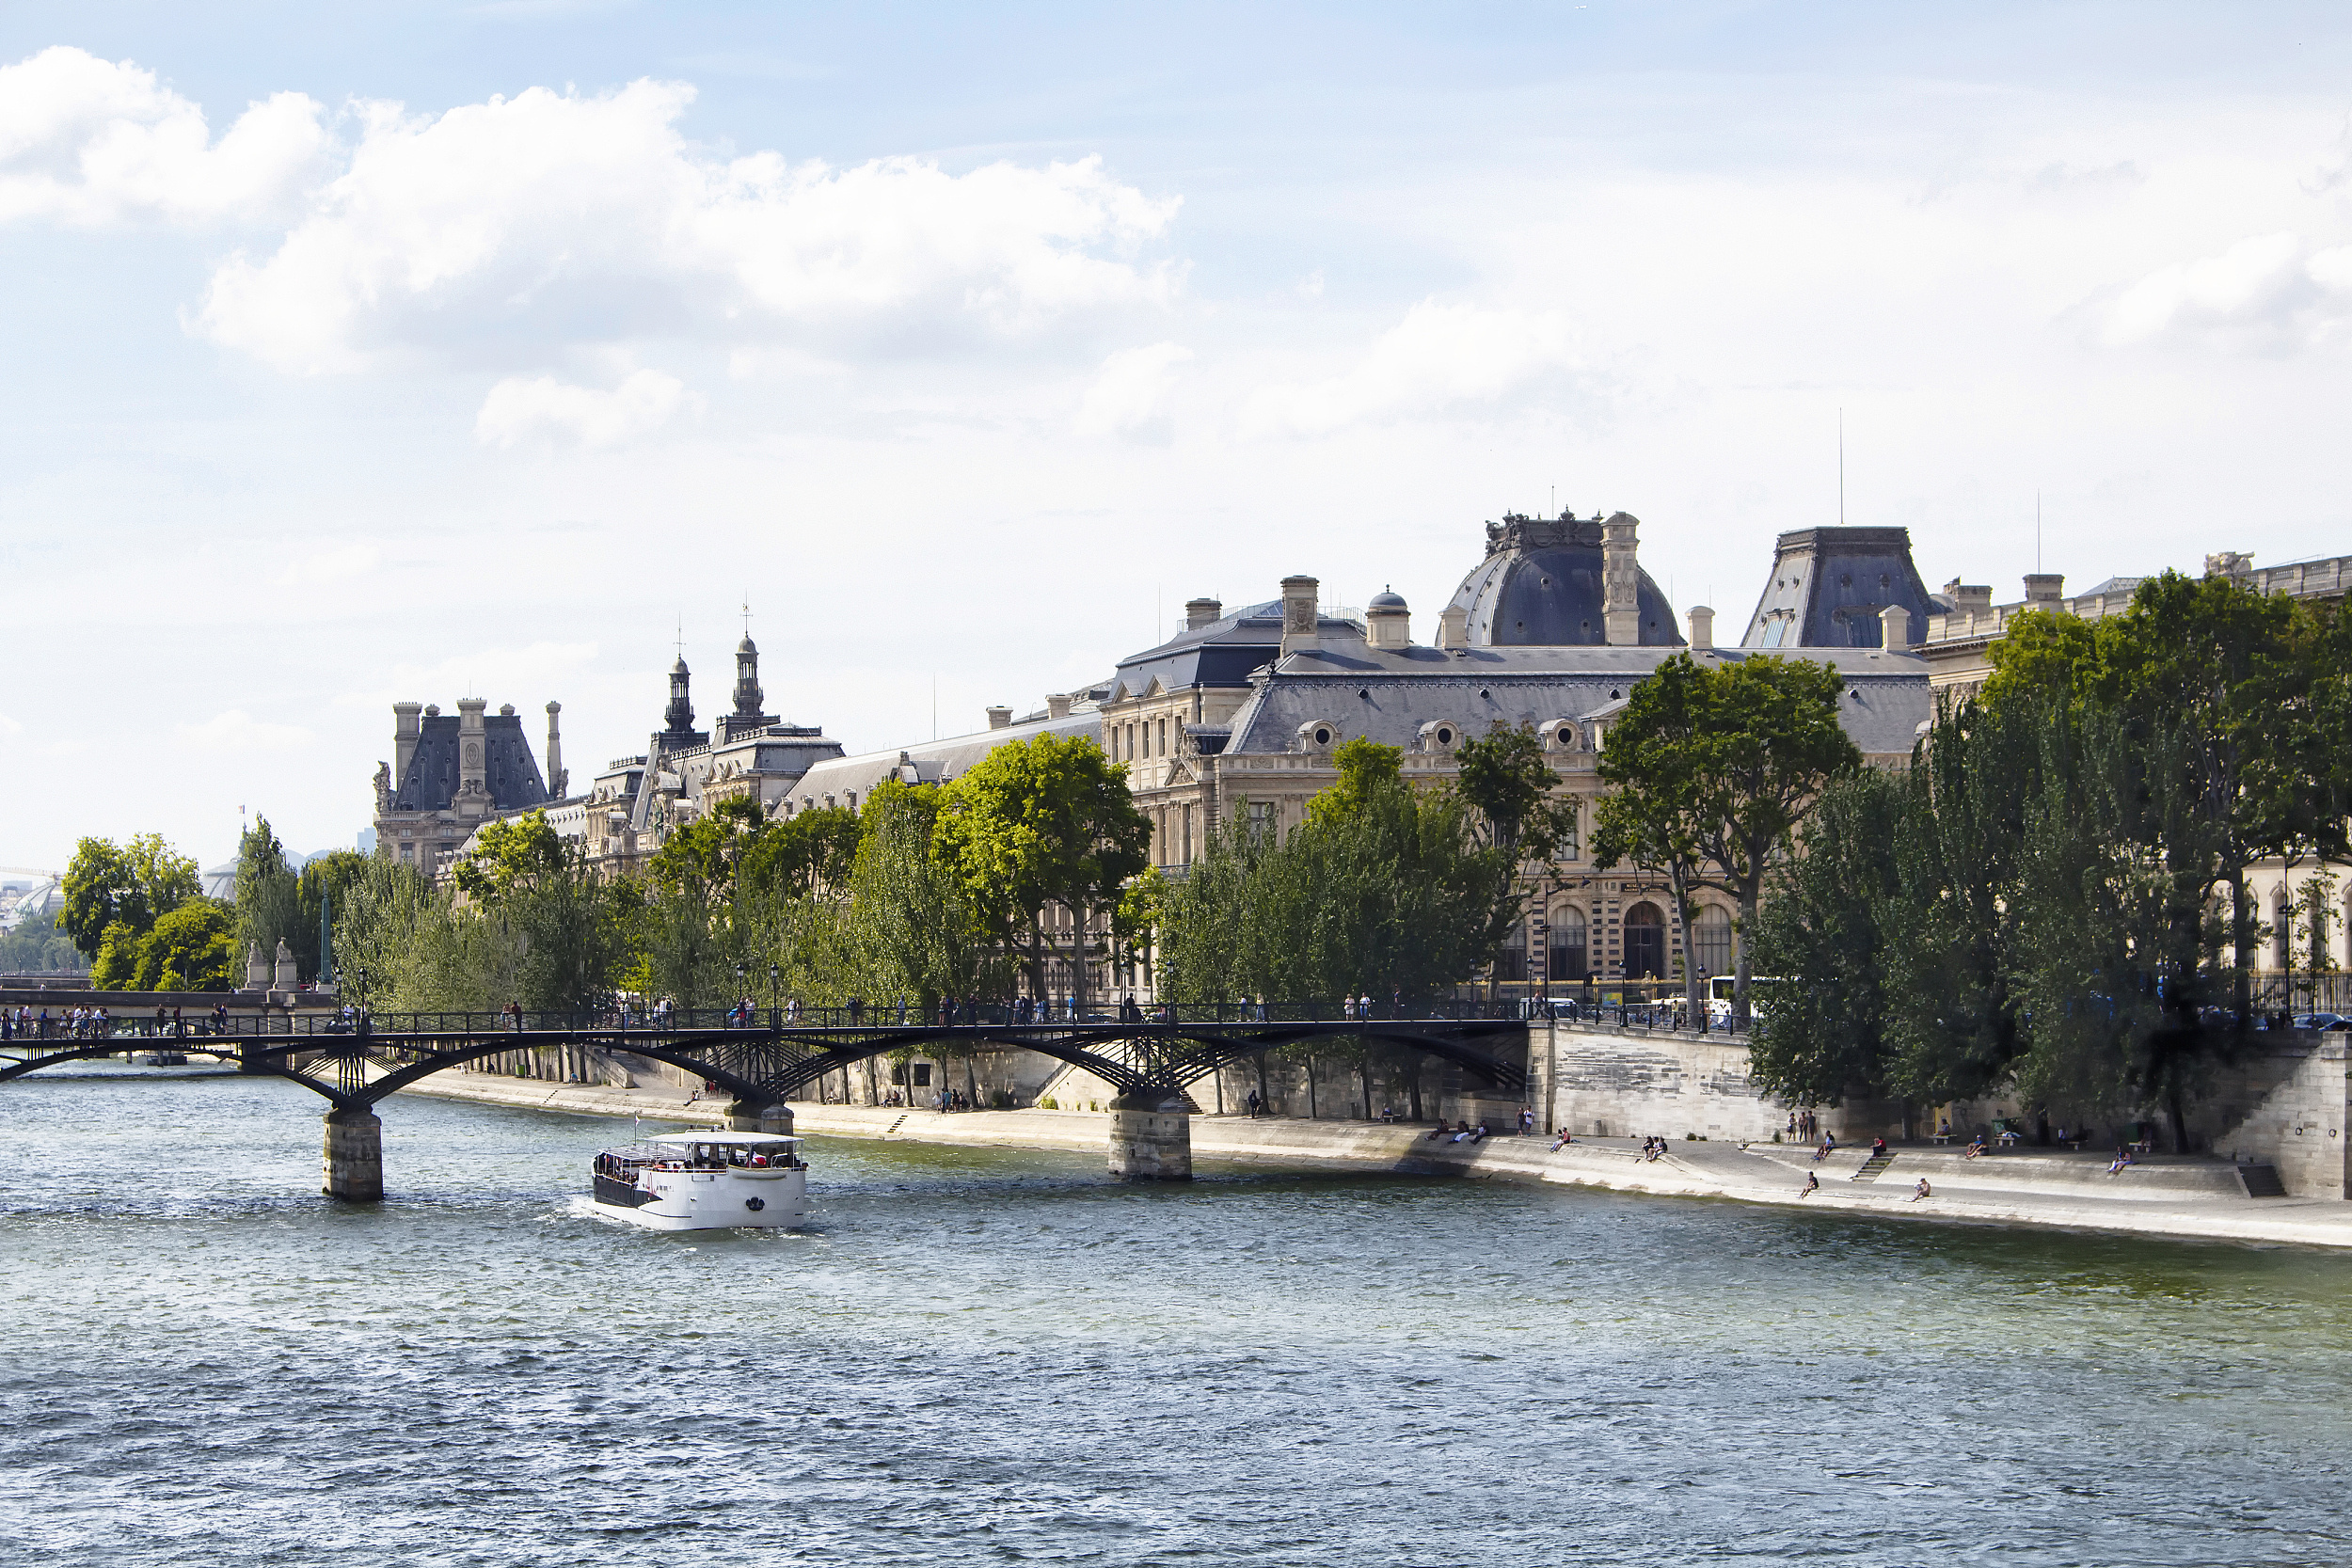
1869	1168
2262	1181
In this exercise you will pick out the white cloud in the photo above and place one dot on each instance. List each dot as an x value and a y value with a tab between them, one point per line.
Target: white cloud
537	667
240	732
9	726
521	407
85	141
1438	357
1129	397
553	217
2267	293
338	564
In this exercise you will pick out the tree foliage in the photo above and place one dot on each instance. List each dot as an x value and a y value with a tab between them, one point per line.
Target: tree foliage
131	885
1506	777
1713	765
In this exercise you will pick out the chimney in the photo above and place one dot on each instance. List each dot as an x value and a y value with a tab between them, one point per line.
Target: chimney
1621	580
556	776
2045	588
1202	613
1454	627
1968	599
999	718
1389	620
1300	626
1895	629
470	771
406	727
1056	706
1702	628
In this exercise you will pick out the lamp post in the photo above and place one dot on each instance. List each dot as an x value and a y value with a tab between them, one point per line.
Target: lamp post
741	996
776	989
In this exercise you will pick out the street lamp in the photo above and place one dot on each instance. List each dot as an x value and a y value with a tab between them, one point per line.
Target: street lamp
776	988
741	996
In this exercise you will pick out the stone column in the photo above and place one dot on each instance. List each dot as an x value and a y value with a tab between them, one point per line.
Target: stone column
354	1157
1151	1137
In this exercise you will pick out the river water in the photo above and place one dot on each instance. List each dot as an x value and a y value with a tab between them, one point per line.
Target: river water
1003	1357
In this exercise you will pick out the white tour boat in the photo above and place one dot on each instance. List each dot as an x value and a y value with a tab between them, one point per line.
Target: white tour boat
705	1181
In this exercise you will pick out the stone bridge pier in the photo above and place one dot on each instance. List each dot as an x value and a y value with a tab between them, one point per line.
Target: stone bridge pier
354	1157
1151	1136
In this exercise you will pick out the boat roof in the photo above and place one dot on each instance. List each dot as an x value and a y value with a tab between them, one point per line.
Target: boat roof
712	1135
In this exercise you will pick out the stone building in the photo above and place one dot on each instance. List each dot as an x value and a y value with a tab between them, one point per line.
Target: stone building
1551	630
452	773
2304	907
638	800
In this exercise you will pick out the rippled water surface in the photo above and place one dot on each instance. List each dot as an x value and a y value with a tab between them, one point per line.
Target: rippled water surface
1002	1357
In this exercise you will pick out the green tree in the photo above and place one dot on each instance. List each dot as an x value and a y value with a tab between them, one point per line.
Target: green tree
572	928
1822	935
191	947
132	885
36	946
809	854
268	895
2039	659
1366	768
1505	776
1713	765
1038	823
919	936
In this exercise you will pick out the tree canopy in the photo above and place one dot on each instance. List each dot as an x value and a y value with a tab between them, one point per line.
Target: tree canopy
1712	766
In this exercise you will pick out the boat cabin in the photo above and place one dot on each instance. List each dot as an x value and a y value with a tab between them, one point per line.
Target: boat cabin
704	1150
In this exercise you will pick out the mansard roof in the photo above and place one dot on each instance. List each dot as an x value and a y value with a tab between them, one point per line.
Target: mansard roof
1541	585
1829	584
1390	694
508	767
1221	653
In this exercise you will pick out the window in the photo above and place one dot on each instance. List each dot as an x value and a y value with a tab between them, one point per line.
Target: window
1570	960
1644	943
1571	844
1711	940
1511	963
1163	737
1262	821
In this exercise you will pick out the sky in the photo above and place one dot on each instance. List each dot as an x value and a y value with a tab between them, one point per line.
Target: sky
375	352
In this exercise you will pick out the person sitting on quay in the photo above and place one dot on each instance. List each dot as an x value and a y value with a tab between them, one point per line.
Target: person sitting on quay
1812	1185
1921	1191
1562	1141
1878	1148
1438	1131
2122	1158
1975	1146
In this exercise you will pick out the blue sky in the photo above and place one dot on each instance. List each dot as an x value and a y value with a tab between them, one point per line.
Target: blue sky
365	353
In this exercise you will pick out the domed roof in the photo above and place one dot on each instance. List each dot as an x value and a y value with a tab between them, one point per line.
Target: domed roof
1541	585
747	645
679	668
1385	599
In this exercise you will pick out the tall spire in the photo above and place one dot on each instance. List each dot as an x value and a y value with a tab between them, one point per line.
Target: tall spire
678	718
748	696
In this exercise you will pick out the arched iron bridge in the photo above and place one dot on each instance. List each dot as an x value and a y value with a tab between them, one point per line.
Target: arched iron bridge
765	1057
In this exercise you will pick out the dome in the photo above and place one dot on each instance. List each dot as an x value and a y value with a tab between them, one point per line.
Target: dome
679	668
747	645
1541	585
1387	600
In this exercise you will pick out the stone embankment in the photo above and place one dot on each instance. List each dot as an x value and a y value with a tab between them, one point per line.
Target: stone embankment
2159	1197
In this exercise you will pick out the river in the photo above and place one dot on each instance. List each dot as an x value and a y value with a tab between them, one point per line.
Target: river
986	1356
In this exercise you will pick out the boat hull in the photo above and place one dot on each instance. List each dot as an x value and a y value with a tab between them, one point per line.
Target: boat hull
734	1199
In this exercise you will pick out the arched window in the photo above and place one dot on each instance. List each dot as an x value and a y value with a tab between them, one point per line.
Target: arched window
1570	955
1511	963
1644	943
1711	940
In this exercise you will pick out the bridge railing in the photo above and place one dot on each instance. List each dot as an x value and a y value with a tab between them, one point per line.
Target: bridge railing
1015	1014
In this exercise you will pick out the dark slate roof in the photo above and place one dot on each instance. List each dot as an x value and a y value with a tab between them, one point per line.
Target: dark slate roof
1221	653
935	761
513	774
1389	694
1829	584
1541	585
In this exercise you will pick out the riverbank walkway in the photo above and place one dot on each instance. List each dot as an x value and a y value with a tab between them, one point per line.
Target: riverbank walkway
2190	1198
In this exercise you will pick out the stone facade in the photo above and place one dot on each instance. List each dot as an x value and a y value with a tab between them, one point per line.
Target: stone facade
450	775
